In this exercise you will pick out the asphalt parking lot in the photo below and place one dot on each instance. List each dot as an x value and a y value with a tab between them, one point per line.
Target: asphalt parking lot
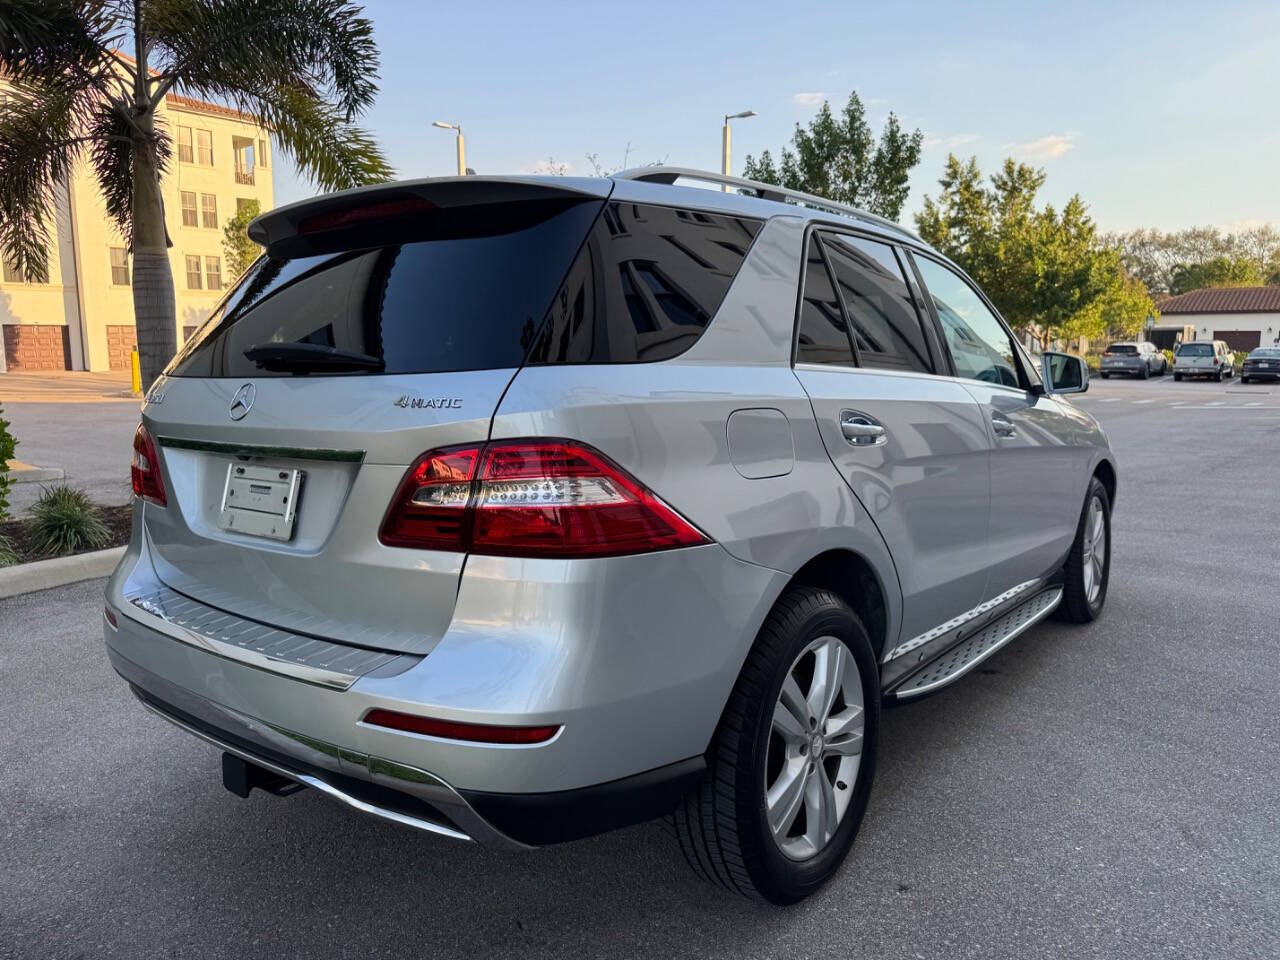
1106	791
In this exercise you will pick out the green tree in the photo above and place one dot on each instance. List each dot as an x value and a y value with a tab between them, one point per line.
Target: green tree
1046	270
1155	256
1218	272
305	68
840	159
240	251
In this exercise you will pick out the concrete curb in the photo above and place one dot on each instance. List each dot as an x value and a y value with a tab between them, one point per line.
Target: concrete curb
43	574
20	472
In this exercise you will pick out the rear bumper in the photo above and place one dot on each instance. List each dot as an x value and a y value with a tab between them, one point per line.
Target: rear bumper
416	798
633	658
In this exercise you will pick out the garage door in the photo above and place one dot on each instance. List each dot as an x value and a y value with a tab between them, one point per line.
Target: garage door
121	339
1239	339
37	346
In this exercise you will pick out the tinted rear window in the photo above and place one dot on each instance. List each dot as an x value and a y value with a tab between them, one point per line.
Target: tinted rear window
645	285
466	289
1122	350
1266	352
1195	350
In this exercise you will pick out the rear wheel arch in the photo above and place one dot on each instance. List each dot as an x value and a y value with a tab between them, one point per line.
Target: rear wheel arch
850	577
1105	471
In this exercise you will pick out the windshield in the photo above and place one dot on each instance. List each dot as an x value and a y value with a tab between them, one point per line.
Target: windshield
1122	350
1196	350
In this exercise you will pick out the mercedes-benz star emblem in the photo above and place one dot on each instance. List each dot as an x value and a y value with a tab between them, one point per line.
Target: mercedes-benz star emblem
242	401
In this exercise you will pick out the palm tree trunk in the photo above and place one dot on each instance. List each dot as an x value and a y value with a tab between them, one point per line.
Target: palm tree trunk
154	311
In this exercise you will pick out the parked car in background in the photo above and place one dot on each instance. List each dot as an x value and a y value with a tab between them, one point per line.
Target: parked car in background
1204	358
1134	360
1263	363
663	497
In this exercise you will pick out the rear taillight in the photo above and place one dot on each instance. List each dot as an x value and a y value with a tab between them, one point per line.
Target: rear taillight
1215	361
145	469
452	730
530	498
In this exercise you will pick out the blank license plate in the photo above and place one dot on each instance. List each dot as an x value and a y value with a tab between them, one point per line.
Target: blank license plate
261	501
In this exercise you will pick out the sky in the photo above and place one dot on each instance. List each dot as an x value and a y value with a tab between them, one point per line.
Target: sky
1158	114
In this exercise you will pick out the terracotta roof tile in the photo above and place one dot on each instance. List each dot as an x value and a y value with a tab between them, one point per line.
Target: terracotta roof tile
1225	300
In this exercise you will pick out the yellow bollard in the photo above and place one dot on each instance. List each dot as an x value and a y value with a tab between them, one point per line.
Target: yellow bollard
136	368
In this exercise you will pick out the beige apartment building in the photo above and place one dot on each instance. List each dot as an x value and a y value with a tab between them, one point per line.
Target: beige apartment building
82	319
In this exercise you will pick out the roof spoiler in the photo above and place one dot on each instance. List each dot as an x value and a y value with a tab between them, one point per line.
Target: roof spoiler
291	230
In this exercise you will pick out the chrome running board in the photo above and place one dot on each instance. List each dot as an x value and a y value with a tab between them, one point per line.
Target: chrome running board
971	651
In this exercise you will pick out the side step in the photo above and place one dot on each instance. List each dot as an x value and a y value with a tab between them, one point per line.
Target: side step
971	651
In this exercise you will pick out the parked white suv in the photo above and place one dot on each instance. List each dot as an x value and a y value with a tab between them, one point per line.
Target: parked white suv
1204	358
520	509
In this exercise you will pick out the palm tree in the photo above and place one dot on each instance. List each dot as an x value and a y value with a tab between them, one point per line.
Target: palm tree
305	68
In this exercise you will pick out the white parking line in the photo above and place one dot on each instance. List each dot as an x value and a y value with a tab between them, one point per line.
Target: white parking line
1148	400
1109	400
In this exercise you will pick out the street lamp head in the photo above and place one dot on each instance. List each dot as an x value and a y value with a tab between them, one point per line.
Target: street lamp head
739	116
444	126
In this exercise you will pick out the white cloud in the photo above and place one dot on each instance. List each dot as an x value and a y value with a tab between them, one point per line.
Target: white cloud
936	141
811	99
1048	147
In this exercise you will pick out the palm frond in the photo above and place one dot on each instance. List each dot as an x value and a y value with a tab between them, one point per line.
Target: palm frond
330	150
43	128
112	140
223	48
41	39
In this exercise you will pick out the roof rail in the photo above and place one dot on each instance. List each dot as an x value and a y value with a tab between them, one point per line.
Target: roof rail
766	191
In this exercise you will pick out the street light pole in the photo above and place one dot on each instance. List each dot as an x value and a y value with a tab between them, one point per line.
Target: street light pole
462	144
725	166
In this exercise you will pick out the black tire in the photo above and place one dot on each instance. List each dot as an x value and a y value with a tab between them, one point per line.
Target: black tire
1218	376
1243	378
1177	378
1146	371
721	825
1076	607
1105	376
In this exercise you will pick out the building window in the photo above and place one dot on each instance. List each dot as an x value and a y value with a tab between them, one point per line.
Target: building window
119	266
189	218
213	272
204	141
262	153
209	209
12	274
193	273
243	149
186	150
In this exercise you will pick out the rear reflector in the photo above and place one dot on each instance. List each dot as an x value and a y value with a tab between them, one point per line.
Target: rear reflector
110	615
450	730
530	498
145	469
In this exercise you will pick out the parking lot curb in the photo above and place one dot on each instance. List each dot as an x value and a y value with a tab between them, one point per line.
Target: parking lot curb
20	472
43	574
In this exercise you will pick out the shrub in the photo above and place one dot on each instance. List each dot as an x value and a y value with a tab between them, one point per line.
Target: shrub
7	443
1237	359
1168	355
8	552
64	520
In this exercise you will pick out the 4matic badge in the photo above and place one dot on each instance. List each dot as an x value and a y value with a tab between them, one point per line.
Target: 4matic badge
430	403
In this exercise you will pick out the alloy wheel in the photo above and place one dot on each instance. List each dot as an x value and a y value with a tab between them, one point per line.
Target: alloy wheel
1094	556
815	748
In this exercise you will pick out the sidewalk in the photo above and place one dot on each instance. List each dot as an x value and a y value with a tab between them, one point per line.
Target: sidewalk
66	386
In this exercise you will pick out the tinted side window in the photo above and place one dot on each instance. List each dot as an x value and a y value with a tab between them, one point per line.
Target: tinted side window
823	337
882	315
645	285
981	348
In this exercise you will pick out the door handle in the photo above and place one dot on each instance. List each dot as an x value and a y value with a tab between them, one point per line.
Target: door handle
1004	427
861	431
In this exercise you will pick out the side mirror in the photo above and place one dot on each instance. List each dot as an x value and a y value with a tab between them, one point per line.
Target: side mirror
1063	373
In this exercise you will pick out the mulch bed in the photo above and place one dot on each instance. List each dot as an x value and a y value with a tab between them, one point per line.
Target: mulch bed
119	521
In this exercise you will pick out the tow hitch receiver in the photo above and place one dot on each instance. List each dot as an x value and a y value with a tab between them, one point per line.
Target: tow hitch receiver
240	776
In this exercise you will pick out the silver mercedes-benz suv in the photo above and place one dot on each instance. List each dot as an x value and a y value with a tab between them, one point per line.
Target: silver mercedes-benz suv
518	509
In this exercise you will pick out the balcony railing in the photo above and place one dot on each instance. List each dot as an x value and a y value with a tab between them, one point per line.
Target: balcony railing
245	177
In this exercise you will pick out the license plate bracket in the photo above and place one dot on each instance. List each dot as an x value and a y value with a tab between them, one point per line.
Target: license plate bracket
260	500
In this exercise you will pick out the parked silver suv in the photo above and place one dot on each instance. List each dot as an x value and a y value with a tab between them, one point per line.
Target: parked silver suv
520	509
